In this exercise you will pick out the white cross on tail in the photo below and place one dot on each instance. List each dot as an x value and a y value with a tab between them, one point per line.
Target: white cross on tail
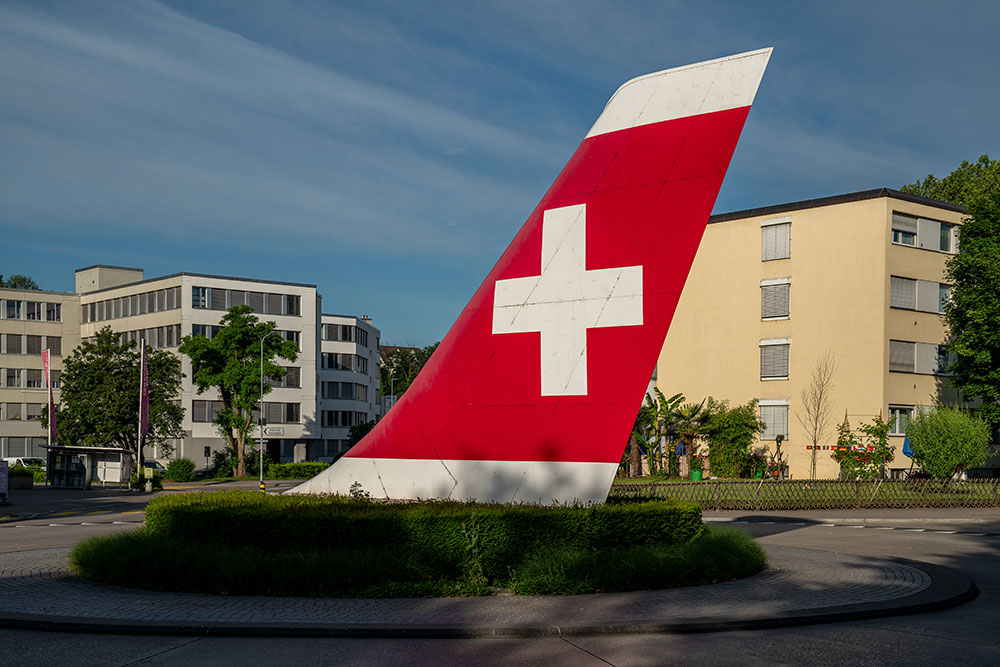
566	300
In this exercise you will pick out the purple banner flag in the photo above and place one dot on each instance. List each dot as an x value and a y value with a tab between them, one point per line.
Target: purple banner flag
143	394
52	403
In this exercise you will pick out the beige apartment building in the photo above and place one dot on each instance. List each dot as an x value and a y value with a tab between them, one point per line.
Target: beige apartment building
772	291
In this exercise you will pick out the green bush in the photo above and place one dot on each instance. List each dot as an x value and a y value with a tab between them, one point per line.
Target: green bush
946	440
18	470
438	531
180	470
296	470
248	543
731	433
720	554
139	481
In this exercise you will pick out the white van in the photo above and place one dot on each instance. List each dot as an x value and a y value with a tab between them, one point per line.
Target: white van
25	461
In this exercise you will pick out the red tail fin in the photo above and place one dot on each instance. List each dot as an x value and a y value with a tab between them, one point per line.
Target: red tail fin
532	394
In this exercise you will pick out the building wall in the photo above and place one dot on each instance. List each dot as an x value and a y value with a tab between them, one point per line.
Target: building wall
357	338
21	432
838	269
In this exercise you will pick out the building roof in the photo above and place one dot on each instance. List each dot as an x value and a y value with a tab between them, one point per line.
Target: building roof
835	199
199	275
108	266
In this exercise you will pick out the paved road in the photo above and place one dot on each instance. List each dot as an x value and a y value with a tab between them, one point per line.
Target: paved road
967	634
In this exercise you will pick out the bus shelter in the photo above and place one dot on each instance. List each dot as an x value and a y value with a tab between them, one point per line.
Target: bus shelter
81	467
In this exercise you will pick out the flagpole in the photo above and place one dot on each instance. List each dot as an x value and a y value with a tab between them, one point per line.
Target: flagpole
142	365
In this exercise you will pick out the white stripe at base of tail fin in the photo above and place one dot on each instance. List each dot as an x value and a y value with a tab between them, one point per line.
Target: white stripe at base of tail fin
691	90
539	482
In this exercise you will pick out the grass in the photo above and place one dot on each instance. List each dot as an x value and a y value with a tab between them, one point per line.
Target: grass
144	559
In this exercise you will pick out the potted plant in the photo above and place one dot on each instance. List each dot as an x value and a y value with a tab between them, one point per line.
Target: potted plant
697	468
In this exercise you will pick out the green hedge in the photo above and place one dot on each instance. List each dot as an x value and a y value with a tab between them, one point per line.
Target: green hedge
180	470
440	532
295	470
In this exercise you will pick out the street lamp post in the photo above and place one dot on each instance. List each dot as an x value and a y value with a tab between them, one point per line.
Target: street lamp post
260	410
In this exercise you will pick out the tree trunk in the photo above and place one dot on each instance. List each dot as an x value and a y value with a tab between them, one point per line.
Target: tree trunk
241	459
635	465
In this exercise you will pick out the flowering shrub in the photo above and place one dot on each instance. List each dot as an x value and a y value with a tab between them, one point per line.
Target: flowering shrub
863	457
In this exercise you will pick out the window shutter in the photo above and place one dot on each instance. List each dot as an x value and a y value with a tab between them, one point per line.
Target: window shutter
34	344
13	343
274	413
776	241
902	356
293	377
902	293
256	301
774	300
774	361
904	223
218	297
54	343
199	411
237	298
775	418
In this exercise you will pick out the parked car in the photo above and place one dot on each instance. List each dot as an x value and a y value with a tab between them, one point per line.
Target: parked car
26	461
155	466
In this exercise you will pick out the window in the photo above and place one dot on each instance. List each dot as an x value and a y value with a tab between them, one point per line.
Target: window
293	336
293	376
902	414
12	412
54	376
199	411
944	292
53	312
256	301
904	229
33	310
291	413
945	243
362	337
218	298
33	412
34	345
136	308
199	297
902	293
776	239
237	298
13	309
13	344
774	299
13	378
274	306
902	356
944	360
54	343
774	414
774	359
33	379
293	305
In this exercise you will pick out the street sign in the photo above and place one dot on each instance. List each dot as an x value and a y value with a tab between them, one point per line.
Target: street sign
274	430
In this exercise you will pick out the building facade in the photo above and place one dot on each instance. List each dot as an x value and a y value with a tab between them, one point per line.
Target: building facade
163	310
31	321
772	291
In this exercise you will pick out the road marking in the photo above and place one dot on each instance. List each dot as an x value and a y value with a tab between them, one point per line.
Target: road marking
133	511
914	530
828	525
946	532
851	525
60	524
884	527
63	513
100	512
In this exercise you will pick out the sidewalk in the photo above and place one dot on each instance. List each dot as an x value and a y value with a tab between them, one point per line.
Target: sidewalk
803	586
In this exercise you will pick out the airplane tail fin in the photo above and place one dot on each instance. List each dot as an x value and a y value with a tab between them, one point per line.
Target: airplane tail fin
532	394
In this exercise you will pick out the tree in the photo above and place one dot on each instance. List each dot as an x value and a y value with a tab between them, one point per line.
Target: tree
973	308
229	362
17	281
663	413
946	441
642	431
731	433
359	431
817	405
863	457
99	395
399	366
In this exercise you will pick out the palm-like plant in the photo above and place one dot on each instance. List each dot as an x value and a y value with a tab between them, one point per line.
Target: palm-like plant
690	421
663	410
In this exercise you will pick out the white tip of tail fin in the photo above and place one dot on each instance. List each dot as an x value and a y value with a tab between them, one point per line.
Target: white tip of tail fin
713	85
532	395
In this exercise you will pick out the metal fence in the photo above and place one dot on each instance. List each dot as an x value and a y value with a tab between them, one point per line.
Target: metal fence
790	494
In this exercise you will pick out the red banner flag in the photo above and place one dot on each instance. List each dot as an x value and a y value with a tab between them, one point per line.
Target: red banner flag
143	393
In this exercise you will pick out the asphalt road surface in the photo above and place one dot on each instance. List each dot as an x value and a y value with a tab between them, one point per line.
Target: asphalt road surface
969	634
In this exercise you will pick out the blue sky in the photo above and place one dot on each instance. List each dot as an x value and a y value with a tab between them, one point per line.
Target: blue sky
388	151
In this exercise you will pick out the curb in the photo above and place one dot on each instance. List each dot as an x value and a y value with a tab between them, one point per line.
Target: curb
949	588
779	520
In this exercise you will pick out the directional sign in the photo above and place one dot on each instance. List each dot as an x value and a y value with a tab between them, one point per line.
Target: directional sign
274	430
